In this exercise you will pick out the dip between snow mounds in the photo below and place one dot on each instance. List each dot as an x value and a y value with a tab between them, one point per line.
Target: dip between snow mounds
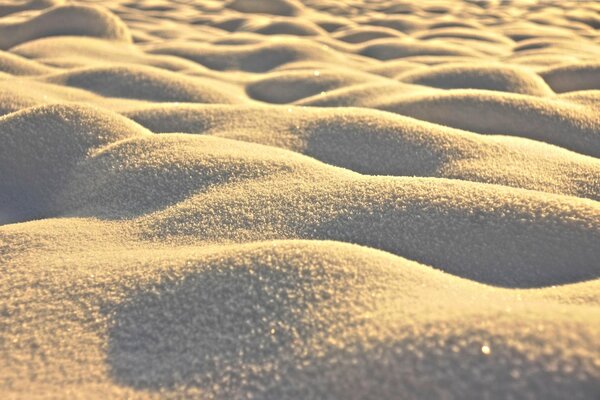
282	26
289	86
273	7
362	34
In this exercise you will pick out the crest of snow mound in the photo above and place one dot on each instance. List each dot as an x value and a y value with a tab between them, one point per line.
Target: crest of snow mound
41	145
499	77
17	65
564	124
572	77
64	21
148	83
